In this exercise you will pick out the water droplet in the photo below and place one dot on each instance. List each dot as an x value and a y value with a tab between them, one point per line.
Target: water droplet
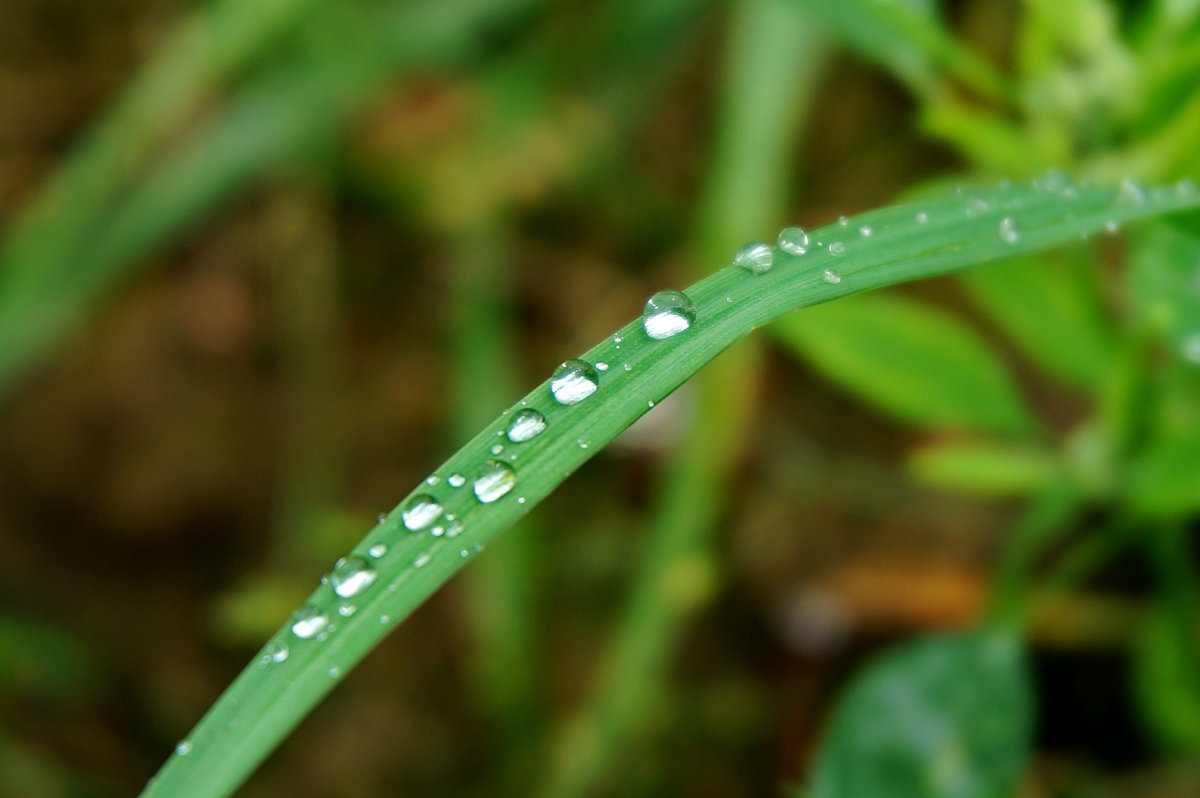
1131	193
922	217
830	276
464	553
381	518
837	248
432	480
650	403
793	240
573	381
526	425
351	576
308	621
1112	227
335	672
438	531
628	367
976	206
520	500
495	480
1008	231
346	610
617	339
844	221
184	748
865	231
276	652
378	550
385	619
422	560
457	480
583	444
454	529
756	257
422	511
668	313
497	449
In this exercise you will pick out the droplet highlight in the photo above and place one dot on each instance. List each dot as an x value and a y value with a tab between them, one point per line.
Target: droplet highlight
421	511
574	381
830	276
1008	231
309	621
668	313
494	480
351	576
525	426
793	240
755	257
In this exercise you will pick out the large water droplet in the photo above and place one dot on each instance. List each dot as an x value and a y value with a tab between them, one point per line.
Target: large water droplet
494	480
351	576
526	425
668	313
756	257
573	381
1009	233
309	621
793	240
421	511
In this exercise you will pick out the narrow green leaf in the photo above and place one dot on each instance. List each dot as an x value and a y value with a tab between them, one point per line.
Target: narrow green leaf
913	361
1049	305
985	468
1165	481
909	242
945	717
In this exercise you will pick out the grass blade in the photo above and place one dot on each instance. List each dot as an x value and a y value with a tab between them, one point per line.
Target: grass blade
270	697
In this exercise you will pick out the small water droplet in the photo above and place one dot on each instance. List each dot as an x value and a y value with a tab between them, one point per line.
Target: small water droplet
844	221
346	610
381	518
464	553
432	480
1131	193
1112	227
438	531
617	339
837	248
335	672
793	240
756	257
494	480
976	206
184	748
1008	231
276	652
520	500
830	276
385	619
497	449
573	381
421	511
351	576
583	444
454	529
308	621
422	560
378	550
865	231
922	217
457	480
650	403
668	313
628	367
526	425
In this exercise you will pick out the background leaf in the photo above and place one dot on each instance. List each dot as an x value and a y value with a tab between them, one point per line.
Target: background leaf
945	717
911	360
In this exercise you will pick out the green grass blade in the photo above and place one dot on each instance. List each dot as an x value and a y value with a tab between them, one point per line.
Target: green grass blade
916	362
269	698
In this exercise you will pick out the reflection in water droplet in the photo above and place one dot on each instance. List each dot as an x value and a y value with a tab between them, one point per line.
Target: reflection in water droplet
837	248
351	576
378	550
335	672
422	560
793	240
844	221
432	480
1131	193
601	366
830	276
495	480
184	748
346	610
865	232
276	652
457	480
573	381
755	257
422	511
526	425
668	313
497	449
454	529
1008	231
922	217
308	621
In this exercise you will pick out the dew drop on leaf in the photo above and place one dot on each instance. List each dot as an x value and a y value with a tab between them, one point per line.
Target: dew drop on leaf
351	576
1008	231
793	240
525	426
668	313
830	276
755	257
421	511
308	621
573	381
494	480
